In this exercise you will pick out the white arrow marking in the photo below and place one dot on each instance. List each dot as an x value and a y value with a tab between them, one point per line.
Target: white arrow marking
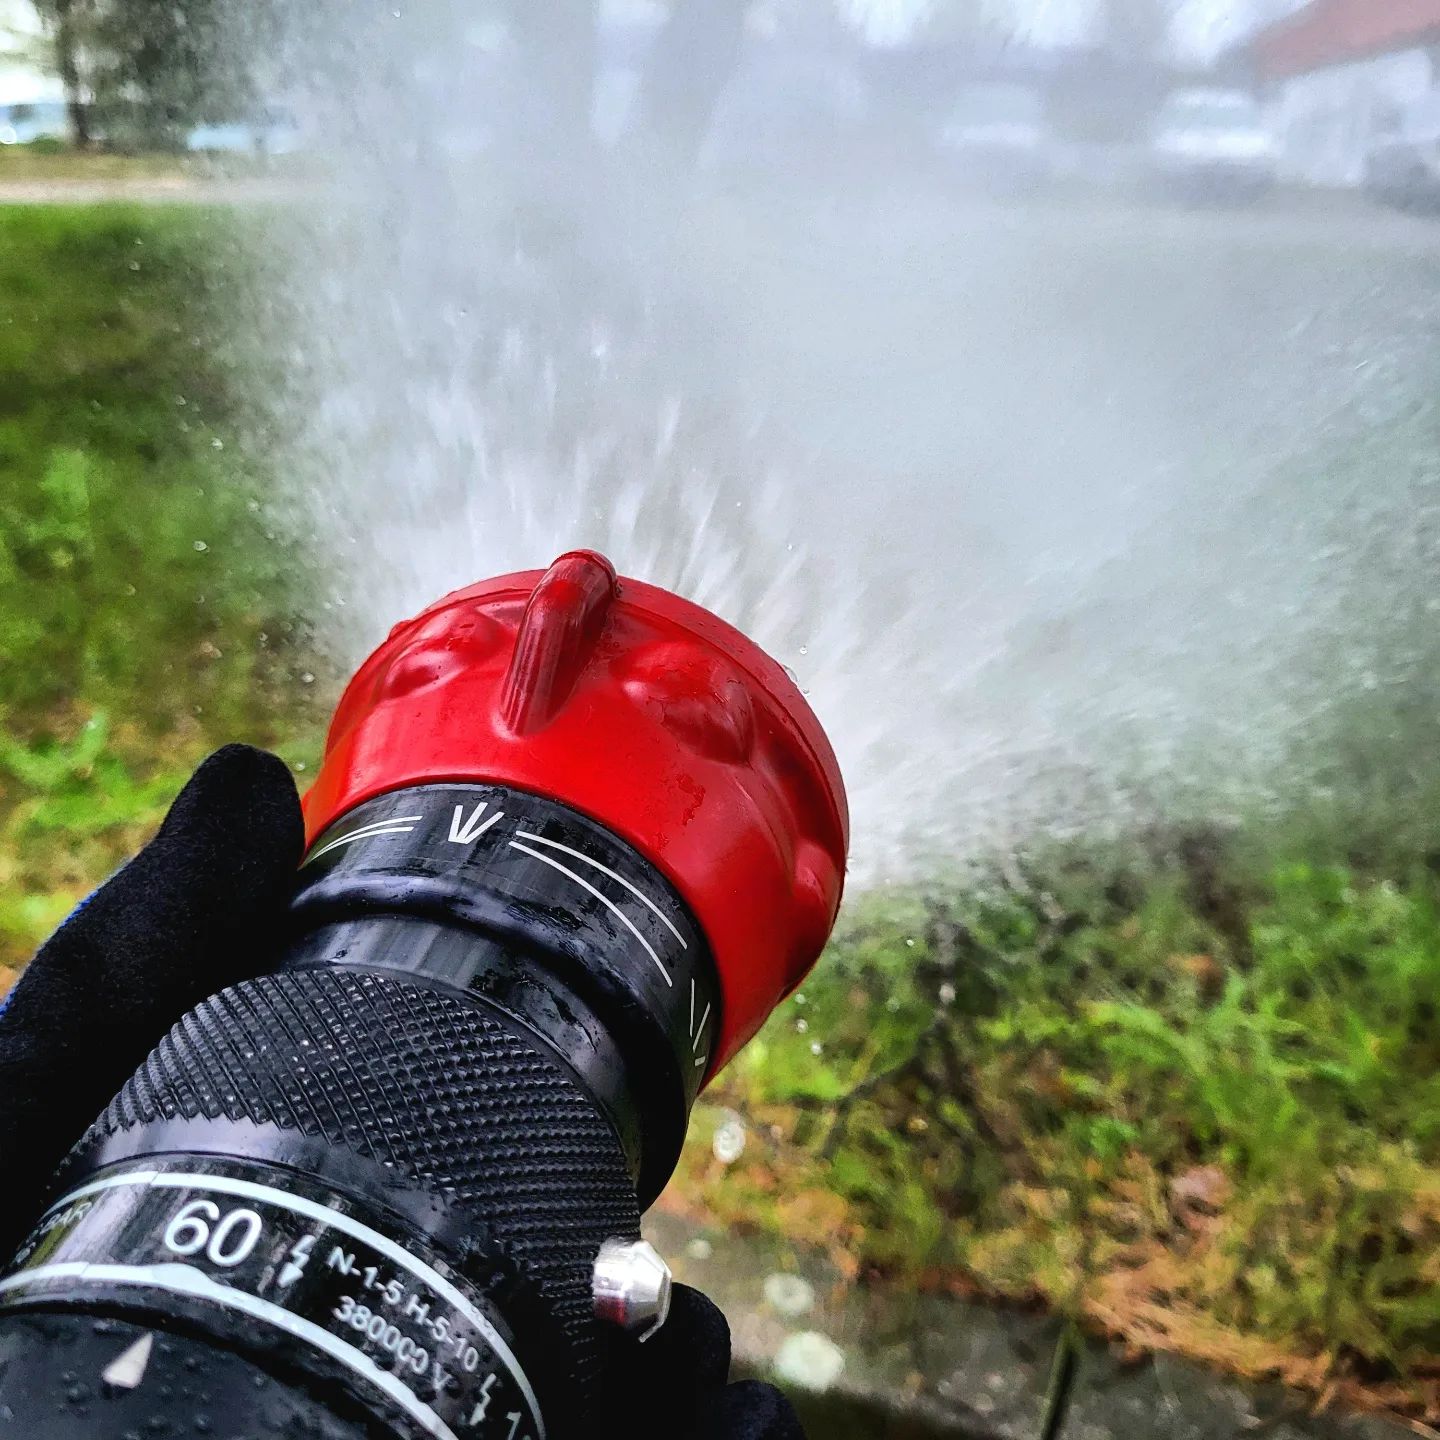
482	1405
127	1369
605	900
401	825
640	895
467	832
299	1259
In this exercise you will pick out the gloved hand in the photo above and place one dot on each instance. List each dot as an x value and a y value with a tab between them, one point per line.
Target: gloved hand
199	908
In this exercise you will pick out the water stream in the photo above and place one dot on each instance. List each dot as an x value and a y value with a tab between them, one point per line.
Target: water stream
1050	505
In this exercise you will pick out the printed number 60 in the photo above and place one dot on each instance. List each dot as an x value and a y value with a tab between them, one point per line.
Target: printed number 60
227	1245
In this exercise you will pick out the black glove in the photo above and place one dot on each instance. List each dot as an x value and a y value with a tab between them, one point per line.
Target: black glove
197	909
682	1372
201	907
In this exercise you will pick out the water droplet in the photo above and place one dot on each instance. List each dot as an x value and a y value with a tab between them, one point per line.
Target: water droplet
801	1026
810	1360
791	1295
729	1142
910	942
217	443
947	994
201	546
804	649
699	1248
307	678
799	997
816	1047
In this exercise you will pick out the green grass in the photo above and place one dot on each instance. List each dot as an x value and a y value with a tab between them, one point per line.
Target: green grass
145	613
1194	1105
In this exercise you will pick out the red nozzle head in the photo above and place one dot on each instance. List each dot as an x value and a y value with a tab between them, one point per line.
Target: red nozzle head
642	711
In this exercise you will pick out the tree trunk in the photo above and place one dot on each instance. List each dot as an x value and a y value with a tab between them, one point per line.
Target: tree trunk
67	57
693	59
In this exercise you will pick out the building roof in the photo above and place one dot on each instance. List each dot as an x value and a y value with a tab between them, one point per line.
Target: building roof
1325	33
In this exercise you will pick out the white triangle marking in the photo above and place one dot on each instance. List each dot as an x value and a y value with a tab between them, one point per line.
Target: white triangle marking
127	1369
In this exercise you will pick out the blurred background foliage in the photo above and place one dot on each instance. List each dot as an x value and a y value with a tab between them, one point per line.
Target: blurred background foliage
1186	1100
147	613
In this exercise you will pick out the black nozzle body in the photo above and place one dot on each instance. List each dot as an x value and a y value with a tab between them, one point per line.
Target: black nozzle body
367	1188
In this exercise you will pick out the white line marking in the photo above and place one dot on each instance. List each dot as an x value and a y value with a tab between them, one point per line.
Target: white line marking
226	1185
128	1368
368	835
696	1029
379	825
182	1280
399	826
467	832
639	894
605	900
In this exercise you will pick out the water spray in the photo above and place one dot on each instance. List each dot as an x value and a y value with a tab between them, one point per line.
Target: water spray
572	841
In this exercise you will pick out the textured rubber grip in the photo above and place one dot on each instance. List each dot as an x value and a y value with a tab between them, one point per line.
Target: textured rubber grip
425	1082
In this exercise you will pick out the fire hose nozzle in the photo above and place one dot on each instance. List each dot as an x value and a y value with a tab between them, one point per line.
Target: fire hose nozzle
644	712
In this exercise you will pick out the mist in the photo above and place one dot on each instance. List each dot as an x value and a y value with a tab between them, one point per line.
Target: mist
1024	482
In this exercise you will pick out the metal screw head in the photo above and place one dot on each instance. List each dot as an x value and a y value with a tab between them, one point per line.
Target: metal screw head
632	1286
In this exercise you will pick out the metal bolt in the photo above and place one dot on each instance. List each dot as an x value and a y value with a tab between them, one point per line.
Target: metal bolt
632	1286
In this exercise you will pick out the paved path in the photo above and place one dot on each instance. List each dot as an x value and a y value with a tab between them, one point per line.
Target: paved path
147	190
